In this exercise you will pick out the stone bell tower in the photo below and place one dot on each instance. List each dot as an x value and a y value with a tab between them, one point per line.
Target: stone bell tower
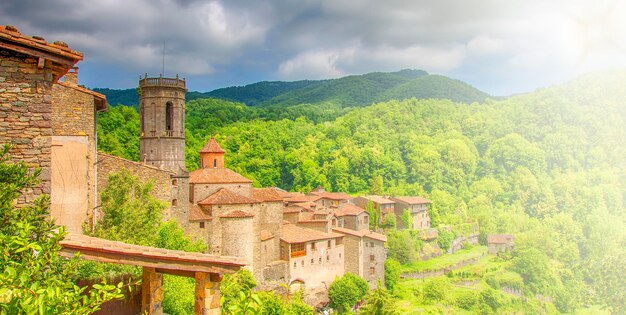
162	115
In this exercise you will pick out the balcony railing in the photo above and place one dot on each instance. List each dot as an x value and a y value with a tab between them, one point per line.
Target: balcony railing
166	133
173	82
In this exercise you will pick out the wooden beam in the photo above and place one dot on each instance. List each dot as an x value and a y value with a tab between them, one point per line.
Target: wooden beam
39	53
126	259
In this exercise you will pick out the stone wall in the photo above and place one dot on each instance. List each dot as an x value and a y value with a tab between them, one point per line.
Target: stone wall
237	240
353	246
25	112
73	156
373	261
319	267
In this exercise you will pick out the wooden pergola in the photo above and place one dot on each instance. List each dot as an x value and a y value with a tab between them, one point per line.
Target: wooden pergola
206	269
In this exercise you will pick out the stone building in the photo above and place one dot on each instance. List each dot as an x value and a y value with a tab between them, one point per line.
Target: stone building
73	165
384	205
29	68
365	254
417	206
500	243
352	217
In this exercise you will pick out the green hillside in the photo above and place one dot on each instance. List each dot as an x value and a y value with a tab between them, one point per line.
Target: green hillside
346	92
435	86
547	166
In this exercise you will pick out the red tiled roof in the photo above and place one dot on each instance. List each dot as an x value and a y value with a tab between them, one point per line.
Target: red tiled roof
216	176
212	147
349	209
237	214
225	197
97	249
197	214
500	238
292	209
332	195
300	197
362	233
266	195
308	205
295	234
102	155
412	200
57	48
378	199
283	193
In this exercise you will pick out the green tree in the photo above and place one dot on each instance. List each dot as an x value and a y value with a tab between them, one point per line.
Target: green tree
407	219
129	211
233	284
374	215
445	238
392	273
34	279
379	302
346	291
436	290
389	222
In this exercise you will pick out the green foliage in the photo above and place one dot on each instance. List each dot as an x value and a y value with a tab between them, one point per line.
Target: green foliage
246	303
379	302
407	219
34	278
179	295
491	298
296	305
129	211
392	273
436	290
118	132
466	300
389	221
346	291
233	284
374	215
272	303
401	246
445	238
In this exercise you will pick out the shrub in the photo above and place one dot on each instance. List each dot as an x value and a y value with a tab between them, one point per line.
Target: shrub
436	290
346	291
466	300
392	273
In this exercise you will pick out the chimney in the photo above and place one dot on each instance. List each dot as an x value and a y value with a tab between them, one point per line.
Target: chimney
71	77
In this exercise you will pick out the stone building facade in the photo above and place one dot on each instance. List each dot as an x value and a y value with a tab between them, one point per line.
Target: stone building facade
365	254
29	68
417	206
74	168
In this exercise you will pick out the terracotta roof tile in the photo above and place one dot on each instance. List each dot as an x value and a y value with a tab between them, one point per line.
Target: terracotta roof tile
349	209
308	205
332	195
106	155
216	176
500	238
292	209
58	48
362	233
295	234
283	193
237	214
266	195
412	200
212	147
225	197
197	214
378	199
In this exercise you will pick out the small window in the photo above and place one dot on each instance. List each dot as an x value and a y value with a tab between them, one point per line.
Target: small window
328	245
295	264
339	255
313	246
202	225
312	261
372	258
174	182
214	163
327	258
320	260
174	202
372	270
371	244
302	263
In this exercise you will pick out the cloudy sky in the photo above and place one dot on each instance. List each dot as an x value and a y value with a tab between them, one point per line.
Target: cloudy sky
500	46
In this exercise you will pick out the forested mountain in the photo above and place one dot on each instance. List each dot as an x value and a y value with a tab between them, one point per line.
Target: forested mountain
548	167
350	91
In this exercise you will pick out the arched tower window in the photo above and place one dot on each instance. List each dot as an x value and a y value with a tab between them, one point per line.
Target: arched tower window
169	116
214	163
